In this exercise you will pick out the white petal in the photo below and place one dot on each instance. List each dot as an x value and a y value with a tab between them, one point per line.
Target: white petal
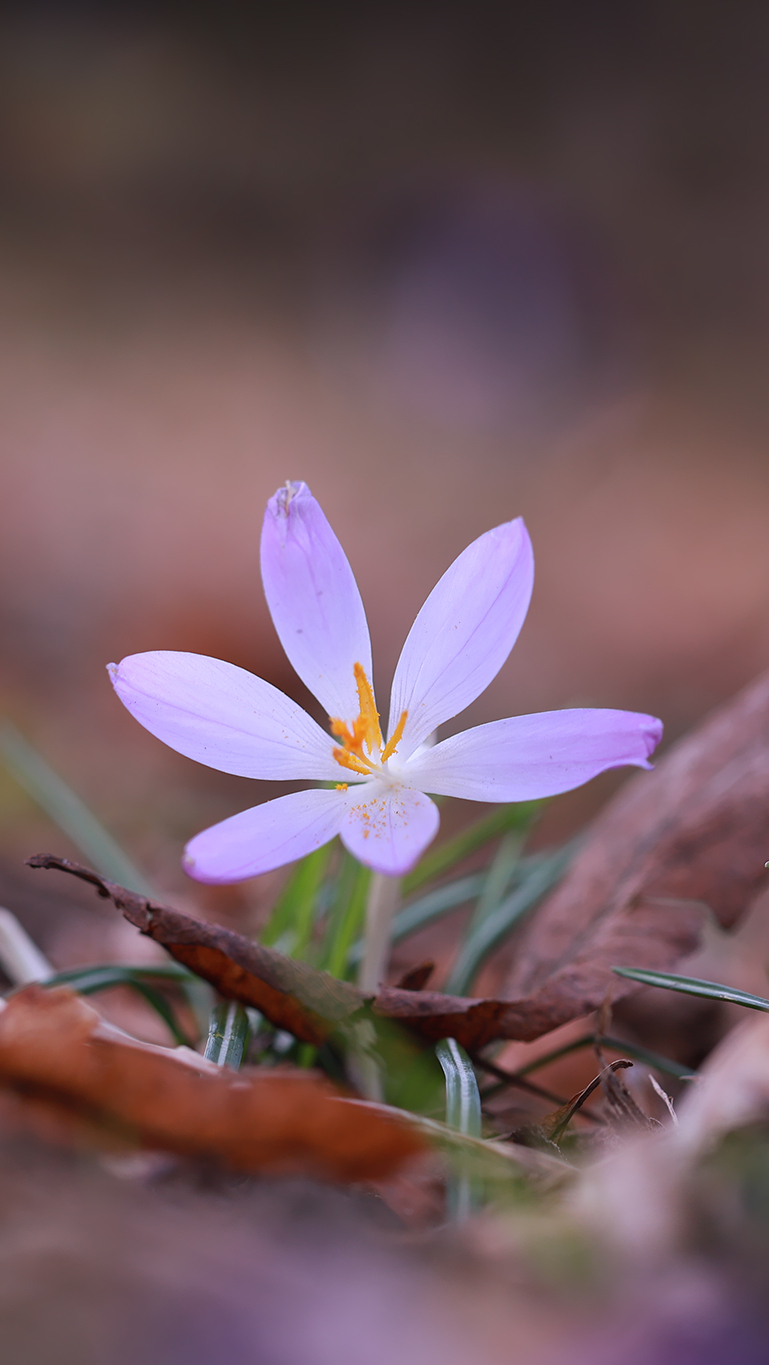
527	757
388	828
314	600
464	632
266	836
223	716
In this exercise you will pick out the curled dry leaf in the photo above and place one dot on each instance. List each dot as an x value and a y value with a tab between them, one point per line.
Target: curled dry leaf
694	830
293	996
60	1056
312	1004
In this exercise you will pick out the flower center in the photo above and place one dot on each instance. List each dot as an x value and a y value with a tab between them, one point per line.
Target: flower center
363	749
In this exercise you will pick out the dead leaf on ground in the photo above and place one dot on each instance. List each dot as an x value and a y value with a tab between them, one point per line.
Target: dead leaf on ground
694	830
732	1089
307	1003
64	1061
311	1004
639	1197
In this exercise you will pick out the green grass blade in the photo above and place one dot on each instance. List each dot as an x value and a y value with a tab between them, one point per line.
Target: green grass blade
437	861
691	985
463	1100
345	918
447	897
649	1058
639	1054
463	1112
89	980
654	1060
227	1034
294	911
499	876
101	975
60	803
485	937
161	1007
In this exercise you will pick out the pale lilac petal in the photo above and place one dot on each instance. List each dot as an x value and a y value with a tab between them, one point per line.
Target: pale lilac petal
464	632
265	836
223	716
527	757
314	600
387	829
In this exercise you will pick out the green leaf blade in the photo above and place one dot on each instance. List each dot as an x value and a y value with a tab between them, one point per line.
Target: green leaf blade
691	985
517	816
60	803
484	936
463	1112
294	911
228	1034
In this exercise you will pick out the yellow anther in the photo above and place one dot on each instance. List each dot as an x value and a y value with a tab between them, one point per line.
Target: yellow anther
351	761
362	747
341	786
368	720
395	738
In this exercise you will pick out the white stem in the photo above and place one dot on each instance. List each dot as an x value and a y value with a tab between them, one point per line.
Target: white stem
380	909
20	958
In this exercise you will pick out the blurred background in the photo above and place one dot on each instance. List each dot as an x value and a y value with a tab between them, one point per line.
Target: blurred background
449	264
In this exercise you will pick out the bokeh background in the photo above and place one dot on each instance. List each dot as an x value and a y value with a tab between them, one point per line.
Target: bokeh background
447	263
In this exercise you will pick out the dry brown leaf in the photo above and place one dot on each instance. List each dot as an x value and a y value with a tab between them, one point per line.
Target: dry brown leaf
639	1197
694	830
732	1089
312	1004
57	1053
293	996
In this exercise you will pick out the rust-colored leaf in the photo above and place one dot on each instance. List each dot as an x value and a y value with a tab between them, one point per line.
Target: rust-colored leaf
293	996
695	829
58	1053
643	930
312	1004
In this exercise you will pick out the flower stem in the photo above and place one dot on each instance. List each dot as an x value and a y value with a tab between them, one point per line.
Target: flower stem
380	910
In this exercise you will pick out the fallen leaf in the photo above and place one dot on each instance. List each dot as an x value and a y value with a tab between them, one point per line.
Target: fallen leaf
58	1054
307	1003
640	1197
312	1004
694	830
642	930
732	1088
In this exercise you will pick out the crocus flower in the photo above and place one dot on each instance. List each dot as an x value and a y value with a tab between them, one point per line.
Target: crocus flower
375	793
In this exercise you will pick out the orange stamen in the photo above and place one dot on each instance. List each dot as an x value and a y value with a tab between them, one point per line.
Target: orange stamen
395	738
355	764
361	744
367	724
